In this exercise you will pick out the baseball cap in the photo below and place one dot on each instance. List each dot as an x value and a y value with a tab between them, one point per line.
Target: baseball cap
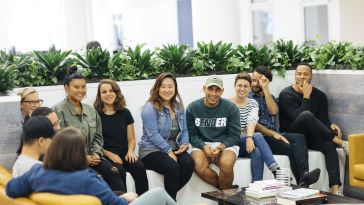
36	127
214	80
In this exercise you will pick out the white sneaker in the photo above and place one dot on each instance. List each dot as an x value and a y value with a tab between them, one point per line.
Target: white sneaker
346	148
338	193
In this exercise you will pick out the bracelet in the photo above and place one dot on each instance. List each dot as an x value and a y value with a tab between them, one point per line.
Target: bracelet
249	136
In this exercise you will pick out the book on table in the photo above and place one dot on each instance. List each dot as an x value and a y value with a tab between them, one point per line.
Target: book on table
299	193
313	199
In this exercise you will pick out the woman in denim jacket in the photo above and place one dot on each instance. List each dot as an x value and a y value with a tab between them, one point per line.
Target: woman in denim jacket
164	144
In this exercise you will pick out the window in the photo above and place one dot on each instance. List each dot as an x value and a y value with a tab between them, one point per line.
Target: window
118	31
262	22
262	27
316	23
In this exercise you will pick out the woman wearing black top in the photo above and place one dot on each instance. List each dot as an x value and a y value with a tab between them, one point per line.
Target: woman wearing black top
118	133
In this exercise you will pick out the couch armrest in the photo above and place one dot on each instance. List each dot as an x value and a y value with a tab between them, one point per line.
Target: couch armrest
59	199
5	176
356	147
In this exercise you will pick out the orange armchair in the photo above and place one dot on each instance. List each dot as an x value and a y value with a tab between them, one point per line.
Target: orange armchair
356	160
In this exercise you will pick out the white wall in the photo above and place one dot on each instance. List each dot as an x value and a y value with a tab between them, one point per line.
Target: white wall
151	22
352	15
76	23
216	20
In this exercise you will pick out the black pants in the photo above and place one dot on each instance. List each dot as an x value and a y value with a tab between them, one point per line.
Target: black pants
296	152
176	174
319	137
137	171
110	175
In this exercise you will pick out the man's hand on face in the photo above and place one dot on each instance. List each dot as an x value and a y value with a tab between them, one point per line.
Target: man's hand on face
263	81
306	89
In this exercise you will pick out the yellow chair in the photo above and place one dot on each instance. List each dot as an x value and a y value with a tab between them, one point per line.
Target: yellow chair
42	198
356	160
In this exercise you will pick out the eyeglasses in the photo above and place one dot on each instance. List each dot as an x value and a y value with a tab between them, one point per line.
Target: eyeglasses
57	123
33	102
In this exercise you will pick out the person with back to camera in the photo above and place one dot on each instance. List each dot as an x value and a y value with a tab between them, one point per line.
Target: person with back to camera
118	132
29	101
65	171
214	130
164	144
251	143
37	135
304	109
73	112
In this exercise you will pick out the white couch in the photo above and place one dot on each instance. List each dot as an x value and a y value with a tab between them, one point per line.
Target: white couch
191	192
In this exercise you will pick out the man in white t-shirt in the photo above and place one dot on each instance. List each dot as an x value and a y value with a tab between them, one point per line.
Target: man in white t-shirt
37	135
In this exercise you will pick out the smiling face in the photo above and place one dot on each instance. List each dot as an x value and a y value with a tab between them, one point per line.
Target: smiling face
212	95
167	90
76	90
242	88
30	103
303	74
107	94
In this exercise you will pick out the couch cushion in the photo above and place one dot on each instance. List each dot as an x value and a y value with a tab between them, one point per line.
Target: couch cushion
359	171
59	199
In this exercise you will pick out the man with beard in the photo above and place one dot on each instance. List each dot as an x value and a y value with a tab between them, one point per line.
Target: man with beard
304	109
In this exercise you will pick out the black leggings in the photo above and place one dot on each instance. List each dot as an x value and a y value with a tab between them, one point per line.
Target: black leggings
111	175
319	137
176	174
137	171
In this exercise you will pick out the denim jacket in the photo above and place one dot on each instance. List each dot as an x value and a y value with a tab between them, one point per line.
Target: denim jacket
157	127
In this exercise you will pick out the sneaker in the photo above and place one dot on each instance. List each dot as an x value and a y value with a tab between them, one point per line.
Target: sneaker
346	148
309	178
338	193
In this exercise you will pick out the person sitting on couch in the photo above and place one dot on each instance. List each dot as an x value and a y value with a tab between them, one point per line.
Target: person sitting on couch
37	136
65	171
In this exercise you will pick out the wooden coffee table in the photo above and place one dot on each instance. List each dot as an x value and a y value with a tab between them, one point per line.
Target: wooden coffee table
221	196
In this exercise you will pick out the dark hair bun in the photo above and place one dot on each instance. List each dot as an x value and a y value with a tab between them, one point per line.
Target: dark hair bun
72	69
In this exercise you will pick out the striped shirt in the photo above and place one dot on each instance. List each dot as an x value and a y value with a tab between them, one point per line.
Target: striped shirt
248	114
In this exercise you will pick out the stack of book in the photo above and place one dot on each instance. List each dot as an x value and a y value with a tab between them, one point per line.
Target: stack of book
301	196
265	188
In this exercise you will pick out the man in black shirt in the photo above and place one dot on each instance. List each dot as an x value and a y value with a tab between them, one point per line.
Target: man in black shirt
303	109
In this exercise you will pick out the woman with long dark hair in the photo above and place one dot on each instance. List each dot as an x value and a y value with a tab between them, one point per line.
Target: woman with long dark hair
118	132
164	144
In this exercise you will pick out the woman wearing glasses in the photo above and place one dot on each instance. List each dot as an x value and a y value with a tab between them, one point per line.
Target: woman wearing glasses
29	101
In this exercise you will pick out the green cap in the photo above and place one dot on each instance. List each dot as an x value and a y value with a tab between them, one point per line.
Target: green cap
214	80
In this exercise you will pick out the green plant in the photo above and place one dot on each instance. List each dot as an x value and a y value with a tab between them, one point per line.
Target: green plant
252	56
53	63
7	77
290	54
95	62
215	58
145	63
176	58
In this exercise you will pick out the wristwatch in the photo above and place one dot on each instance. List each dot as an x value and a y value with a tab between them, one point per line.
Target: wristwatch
249	136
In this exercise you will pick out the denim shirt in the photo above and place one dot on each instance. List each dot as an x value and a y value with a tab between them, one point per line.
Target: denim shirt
157	126
265	118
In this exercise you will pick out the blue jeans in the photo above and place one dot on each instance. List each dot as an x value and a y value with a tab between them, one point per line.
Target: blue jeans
261	153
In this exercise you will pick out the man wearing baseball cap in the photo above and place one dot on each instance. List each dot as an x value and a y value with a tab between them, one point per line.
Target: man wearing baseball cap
214	129
37	135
